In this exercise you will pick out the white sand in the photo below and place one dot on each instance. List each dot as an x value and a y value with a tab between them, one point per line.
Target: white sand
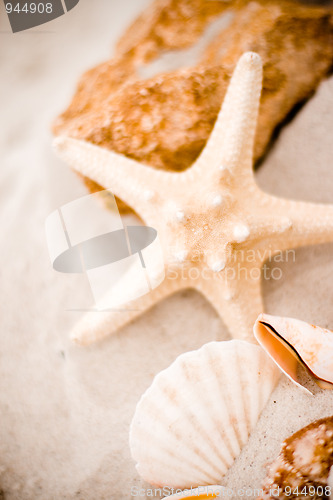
65	410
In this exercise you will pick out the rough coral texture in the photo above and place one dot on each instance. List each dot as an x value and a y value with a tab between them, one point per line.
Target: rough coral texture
304	464
165	120
161	27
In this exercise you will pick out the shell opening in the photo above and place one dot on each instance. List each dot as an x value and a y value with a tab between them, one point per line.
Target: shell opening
278	349
284	354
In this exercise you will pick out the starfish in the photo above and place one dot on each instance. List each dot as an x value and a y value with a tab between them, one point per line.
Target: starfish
215	225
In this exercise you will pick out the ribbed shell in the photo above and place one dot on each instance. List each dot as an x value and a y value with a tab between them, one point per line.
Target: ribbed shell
194	419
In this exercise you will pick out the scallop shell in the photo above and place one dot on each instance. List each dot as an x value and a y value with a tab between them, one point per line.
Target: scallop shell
196	416
291	341
201	493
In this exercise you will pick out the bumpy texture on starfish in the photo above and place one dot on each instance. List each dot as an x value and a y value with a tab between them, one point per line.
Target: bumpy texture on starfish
215	225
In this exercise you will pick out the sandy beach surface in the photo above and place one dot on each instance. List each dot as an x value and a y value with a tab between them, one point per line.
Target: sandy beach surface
65	410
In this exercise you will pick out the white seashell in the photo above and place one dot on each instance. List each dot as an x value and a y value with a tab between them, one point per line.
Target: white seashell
201	493
291	341
196	416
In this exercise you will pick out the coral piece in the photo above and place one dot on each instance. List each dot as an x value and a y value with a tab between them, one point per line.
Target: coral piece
292	41
194	419
165	120
303	464
215	225
290	342
161	27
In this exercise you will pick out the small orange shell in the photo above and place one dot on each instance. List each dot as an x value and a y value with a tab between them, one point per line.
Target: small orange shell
291	341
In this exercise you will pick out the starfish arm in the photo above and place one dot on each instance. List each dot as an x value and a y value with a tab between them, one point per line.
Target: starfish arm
131	181
266	227
231	142
96	325
239	306
309	223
